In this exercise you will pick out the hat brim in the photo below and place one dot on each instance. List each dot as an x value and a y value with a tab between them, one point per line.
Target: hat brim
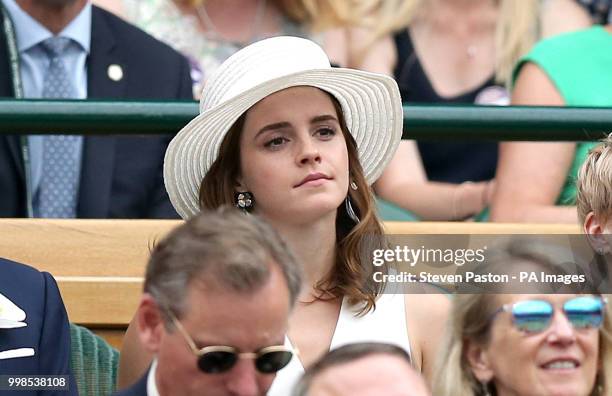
372	109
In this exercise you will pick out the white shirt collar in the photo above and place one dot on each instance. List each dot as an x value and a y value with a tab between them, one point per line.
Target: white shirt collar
151	384
29	32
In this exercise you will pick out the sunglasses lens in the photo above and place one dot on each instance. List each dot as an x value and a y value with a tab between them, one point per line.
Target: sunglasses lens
273	361
217	362
584	312
532	316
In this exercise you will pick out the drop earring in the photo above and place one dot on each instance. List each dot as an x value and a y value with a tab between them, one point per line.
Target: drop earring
485	389
349	209
244	201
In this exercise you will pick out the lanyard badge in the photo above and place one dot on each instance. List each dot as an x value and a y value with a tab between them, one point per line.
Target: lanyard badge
11	41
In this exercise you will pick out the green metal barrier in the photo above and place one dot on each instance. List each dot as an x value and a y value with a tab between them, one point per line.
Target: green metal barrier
422	122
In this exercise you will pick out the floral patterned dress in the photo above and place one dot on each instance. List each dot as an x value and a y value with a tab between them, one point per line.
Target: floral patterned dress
165	21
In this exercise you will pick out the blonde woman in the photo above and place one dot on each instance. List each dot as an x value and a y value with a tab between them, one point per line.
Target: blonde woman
526	344
448	52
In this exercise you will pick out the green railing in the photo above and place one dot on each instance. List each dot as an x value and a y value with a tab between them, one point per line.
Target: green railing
420	121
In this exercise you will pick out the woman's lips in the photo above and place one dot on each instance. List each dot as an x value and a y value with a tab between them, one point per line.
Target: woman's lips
313	179
561	364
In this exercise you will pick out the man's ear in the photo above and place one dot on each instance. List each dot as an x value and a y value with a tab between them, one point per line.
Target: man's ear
594	228
150	323
479	361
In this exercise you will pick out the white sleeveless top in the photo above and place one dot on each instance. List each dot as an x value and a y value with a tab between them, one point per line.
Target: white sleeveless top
387	323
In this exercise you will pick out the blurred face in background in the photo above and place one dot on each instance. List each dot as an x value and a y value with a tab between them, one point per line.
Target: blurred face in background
377	374
599	233
54	3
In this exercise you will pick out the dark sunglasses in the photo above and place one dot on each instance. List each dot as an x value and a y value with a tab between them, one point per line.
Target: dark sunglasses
220	358
534	316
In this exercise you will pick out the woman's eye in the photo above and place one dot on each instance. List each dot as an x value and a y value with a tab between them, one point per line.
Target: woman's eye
326	132
276	142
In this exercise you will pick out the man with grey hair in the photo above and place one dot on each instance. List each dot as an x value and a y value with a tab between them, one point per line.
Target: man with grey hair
217	296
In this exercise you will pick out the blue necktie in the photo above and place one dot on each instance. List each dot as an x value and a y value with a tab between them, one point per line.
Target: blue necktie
59	177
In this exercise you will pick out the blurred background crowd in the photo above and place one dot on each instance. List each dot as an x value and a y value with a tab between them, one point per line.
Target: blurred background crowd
439	52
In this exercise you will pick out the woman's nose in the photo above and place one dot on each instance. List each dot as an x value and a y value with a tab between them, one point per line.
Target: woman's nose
561	330
309	153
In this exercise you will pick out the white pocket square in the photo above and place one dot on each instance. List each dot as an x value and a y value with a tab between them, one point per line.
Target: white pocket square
11	324
16	353
10	311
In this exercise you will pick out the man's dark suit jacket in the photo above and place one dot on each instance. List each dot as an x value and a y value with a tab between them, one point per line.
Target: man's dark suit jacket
120	177
47	331
138	389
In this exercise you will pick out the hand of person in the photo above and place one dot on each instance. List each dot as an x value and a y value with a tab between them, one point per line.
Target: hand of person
472	198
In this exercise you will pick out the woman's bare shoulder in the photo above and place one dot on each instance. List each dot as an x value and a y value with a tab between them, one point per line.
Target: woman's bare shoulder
430	305
562	16
426	316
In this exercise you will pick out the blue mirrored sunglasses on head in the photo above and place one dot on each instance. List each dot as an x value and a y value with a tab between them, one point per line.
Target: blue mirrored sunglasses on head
533	316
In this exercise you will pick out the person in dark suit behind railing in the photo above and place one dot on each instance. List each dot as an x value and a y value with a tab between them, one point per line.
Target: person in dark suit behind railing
102	57
34	331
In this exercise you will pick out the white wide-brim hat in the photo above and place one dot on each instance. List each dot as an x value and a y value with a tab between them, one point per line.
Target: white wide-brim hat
370	102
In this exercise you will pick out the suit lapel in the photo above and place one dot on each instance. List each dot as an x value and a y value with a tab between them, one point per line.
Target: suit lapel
6	86
99	151
96	177
6	91
102	55
14	146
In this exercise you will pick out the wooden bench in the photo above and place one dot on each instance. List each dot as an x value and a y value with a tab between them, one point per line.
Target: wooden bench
99	264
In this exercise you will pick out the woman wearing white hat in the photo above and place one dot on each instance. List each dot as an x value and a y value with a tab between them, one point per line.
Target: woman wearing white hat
285	136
